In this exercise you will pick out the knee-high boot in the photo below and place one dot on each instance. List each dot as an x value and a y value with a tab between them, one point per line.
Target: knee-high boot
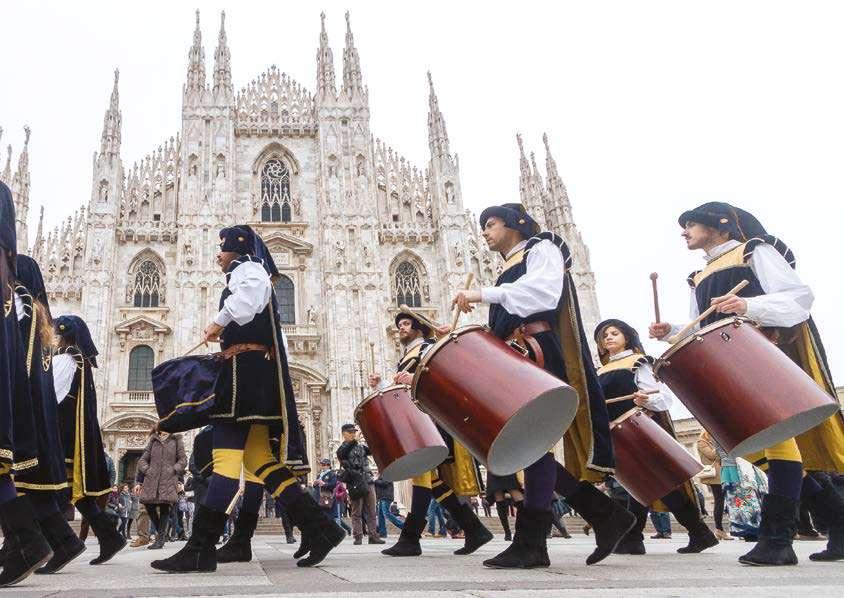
504	516
475	533
66	545
688	515
529	549
323	534
776	533
199	554
26	549
239	547
408	542
829	506
609	519
111	542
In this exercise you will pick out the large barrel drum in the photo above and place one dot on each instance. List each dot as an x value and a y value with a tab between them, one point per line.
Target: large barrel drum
741	388
649	463
503	407
403	440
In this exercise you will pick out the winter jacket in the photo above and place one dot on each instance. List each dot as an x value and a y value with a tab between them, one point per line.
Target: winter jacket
161	465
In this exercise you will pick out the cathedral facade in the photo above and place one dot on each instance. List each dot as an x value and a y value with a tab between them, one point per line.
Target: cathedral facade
354	227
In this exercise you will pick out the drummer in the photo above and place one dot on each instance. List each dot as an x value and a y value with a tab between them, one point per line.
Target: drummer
254	401
534	303
459	468
626	370
737	247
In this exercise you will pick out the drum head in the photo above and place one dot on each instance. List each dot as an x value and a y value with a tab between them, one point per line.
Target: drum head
532	431
789	428
415	463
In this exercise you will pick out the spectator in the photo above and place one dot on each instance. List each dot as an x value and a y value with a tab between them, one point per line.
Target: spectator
341	506
270	507
132	513
662	524
200	465
473	501
142	517
394	509
181	508
354	464
124	504
162	462
711	476
486	507
190	506
384	495
436	515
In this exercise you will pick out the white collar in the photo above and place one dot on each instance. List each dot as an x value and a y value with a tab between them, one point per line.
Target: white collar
412	344
719	250
622	355
517	247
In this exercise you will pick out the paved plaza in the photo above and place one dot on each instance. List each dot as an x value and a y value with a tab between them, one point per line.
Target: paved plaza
361	571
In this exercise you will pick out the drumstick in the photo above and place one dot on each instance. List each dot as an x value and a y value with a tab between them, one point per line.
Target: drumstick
629	397
372	356
466	286
192	349
688	327
654	276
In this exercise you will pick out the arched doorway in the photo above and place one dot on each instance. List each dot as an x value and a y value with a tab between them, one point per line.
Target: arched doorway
127	468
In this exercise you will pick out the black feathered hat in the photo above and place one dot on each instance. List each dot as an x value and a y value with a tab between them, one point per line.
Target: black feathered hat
739	224
29	275
239	238
74	328
514	216
630	336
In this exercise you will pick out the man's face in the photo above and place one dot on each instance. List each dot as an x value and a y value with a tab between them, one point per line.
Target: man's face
350	435
407	333
324	466
494	232
700	236
225	258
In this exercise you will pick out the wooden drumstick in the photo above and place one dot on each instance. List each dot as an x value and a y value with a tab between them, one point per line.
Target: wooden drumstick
194	348
372	357
629	397
654	276
466	286
688	327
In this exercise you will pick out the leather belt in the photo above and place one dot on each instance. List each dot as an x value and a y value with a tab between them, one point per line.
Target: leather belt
230	352
524	335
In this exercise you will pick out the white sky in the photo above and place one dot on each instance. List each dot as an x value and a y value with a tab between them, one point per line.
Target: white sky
651	108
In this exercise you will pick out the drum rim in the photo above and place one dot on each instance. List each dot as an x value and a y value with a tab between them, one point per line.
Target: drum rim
429	354
627	415
731	321
378	393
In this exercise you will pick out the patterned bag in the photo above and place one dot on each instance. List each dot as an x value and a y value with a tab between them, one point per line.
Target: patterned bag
743	500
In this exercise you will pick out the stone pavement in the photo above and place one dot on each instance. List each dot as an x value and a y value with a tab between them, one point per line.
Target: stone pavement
361	571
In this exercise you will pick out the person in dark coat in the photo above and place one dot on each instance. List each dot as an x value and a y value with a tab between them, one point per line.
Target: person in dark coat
161	464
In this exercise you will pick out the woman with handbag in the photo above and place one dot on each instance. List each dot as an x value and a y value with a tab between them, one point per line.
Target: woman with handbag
711	477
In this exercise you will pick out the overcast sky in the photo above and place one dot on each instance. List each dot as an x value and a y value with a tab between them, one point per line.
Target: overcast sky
651	108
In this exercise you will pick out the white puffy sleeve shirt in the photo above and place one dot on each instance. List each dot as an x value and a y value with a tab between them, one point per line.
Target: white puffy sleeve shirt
787	300
538	290
64	367
251	291
663	399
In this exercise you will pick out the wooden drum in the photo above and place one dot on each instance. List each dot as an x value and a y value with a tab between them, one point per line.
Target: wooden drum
741	388
503	407
403	440
649	463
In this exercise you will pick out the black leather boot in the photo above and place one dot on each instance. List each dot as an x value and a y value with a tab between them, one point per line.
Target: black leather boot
529	549
65	543
161	536
111	542
199	554
776	533
633	542
503	511
408	542
239	547
25	547
609	519
829	506
687	514
323	534
475	533
304	545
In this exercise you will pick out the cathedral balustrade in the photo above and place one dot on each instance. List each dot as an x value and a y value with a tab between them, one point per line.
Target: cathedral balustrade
407	233
302	339
133	397
147	231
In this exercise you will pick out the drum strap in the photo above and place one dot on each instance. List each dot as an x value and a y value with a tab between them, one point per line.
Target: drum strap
524	335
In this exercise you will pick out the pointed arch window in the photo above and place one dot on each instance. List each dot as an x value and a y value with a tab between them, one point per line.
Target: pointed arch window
285	294
275	192
141	361
147	288
408	287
